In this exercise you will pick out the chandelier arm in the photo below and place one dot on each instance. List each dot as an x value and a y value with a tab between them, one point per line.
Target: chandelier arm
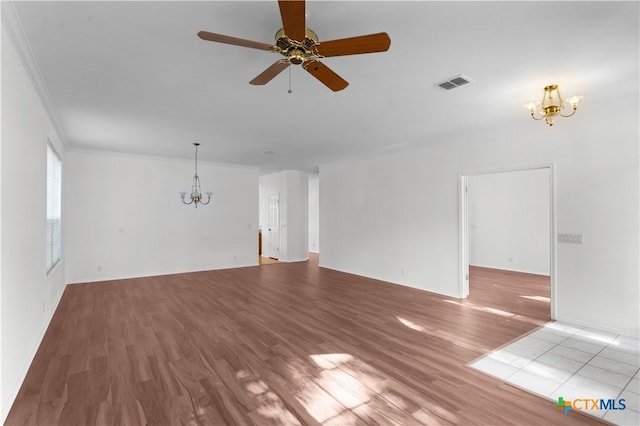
568	115
202	198
537	119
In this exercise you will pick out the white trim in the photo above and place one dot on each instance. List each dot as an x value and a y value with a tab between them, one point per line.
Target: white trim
129	155
463	214
11	22
597	327
386	280
463	227
295	260
553	270
508	169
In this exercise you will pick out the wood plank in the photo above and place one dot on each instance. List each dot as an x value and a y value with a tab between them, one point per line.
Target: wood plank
283	344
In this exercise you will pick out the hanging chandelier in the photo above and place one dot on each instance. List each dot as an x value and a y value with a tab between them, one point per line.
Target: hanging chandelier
196	196
552	105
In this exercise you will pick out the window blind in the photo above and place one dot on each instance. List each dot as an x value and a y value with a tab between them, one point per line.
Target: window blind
54	206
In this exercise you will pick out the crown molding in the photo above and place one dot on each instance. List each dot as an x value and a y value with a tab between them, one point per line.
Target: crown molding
14	29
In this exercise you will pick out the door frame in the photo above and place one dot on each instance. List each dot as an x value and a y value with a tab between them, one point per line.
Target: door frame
463	209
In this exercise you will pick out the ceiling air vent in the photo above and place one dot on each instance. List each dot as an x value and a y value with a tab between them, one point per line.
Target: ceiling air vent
453	82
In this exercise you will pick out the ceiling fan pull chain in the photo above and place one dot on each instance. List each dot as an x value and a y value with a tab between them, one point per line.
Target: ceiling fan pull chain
289	91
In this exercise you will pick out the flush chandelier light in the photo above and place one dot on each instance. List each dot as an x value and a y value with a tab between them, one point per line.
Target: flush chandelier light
196	196
552	105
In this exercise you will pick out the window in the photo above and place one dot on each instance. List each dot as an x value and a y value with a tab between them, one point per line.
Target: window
54	207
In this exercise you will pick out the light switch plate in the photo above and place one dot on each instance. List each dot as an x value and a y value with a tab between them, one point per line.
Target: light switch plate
571	238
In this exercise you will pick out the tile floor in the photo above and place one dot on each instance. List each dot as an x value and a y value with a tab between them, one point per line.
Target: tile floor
572	362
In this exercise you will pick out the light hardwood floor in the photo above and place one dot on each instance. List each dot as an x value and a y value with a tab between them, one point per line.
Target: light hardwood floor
267	260
283	344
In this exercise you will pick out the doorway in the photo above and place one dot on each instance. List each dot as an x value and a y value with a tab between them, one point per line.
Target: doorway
509	246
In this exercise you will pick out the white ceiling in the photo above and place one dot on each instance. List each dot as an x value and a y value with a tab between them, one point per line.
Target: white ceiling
133	77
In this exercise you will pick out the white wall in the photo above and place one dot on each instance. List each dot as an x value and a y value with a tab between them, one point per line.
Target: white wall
125	217
396	217
297	223
393	218
292	187
29	296
509	221
314	213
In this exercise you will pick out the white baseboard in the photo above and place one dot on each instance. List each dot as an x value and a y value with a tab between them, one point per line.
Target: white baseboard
596	326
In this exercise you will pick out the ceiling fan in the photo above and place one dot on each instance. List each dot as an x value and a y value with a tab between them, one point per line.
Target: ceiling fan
300	46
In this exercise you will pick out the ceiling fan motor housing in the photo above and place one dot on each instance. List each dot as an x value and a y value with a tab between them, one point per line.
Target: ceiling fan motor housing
296	51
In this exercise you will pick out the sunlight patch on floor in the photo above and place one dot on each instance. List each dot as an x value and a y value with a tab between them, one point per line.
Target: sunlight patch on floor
270	404
328	361
482	308
350	398
257	387
453	338
538	298
318	403
333	392
411	325
366	375
337	389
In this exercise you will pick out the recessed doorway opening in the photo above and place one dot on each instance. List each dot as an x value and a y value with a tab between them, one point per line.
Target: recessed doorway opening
507	223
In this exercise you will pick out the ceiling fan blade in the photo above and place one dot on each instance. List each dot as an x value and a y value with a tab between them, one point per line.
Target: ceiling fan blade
371	43
293	19
326	76
267	75
234	40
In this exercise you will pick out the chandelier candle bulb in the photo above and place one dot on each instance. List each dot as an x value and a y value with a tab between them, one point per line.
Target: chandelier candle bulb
574	100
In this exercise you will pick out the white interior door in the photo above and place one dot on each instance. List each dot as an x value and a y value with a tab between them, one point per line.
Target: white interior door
273	227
